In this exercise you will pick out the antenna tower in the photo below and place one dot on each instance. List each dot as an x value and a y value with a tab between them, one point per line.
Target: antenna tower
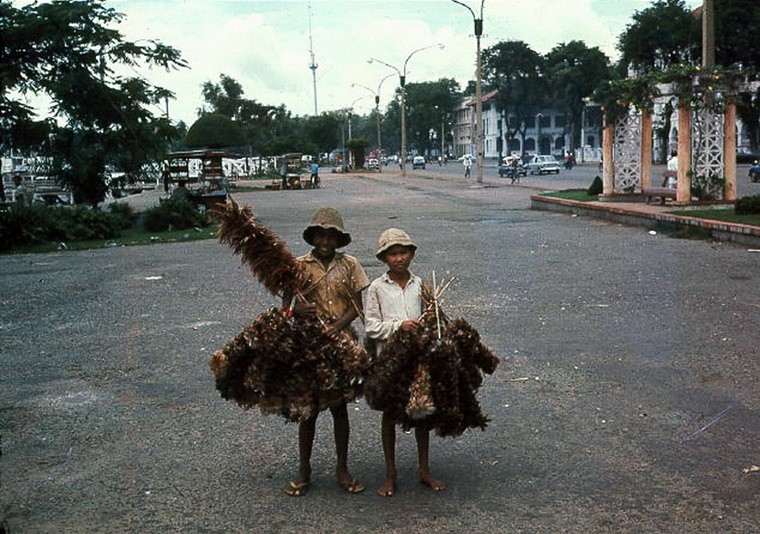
313	65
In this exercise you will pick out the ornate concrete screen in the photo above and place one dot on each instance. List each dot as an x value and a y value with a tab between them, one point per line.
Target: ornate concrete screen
627	152
707	145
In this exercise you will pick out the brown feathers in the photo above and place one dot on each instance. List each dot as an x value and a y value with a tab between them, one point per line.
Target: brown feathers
455	364
267	257
289	367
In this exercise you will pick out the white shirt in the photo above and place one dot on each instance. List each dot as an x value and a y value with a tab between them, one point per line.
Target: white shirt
388	305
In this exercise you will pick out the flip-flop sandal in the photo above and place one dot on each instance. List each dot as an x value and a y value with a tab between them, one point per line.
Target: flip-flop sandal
352	486
297	489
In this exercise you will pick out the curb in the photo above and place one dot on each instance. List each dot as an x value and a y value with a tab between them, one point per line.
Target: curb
742	234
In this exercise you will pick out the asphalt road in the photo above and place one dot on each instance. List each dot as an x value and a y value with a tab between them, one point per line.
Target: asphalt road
627	399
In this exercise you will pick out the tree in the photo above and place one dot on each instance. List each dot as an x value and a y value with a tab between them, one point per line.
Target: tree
427	104
574	71
255	120
214	130
518	72
69	51
661	35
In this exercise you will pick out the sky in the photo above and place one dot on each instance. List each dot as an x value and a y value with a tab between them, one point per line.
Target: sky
265	45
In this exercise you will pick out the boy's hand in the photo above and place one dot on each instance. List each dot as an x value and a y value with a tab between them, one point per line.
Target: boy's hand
305	310
410	326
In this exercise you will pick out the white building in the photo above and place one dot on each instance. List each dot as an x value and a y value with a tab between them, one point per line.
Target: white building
546	133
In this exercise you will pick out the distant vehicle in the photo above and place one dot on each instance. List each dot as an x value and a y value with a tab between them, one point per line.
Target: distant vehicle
745	155
505	169
373	164
543	164
418	162
754	172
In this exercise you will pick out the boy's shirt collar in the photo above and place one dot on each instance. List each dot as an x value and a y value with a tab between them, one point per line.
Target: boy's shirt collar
413	278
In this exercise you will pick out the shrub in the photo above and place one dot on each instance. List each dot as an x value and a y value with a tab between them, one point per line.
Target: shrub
28	225
747	205
176	214
123	214
596	187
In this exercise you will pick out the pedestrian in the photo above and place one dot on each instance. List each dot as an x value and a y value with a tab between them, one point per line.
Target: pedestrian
331	291
467	164
314	167
394	301
672	174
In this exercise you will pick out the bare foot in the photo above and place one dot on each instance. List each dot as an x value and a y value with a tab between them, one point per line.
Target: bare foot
387	489
297	488
429	480
350	484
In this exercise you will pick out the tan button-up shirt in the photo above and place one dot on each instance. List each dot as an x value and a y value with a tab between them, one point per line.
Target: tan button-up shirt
387	305
332	289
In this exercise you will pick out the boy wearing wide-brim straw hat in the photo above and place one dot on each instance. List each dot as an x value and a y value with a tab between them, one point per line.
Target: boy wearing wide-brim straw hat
394	301
330	289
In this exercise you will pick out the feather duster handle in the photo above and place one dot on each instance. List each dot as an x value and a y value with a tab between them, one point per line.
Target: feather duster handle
259	248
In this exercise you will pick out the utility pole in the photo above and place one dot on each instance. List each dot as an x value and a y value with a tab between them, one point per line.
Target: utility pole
708	33
313	65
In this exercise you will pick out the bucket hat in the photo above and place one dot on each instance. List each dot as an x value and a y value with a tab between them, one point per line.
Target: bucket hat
328	219
392	237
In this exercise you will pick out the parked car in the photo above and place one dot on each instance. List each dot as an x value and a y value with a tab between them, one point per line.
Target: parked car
418	162
754	171
543	164
505	169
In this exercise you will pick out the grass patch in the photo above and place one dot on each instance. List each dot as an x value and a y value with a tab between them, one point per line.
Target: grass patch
130	237
580	195
724	215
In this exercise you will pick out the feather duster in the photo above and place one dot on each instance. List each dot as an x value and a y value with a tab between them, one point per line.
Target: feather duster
267	257
289	367
422	380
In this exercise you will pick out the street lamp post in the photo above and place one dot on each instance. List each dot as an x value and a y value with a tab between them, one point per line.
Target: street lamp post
478	24
350	117
539	116
377	106
402	84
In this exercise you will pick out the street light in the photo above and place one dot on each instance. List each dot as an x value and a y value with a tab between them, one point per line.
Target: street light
478	23
539	116
377	105
402	83
586	100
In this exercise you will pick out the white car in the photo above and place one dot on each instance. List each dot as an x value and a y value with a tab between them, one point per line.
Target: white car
542	164
418	162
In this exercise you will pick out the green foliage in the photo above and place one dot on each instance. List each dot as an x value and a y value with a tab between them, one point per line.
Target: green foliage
123	214
178	214
214	130
707	187
596	187
666	33
69	51
748	205
26	225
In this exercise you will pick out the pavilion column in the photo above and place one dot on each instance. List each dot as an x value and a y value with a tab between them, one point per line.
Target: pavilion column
683	186
729	149
608	165
646	148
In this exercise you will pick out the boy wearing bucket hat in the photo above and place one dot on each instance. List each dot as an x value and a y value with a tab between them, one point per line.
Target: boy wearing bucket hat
331	290
394	301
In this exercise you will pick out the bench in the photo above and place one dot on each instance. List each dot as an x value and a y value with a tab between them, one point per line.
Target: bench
662	192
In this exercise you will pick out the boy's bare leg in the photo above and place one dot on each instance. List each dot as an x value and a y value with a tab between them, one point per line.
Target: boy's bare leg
423	454
388	434
300	485
342	431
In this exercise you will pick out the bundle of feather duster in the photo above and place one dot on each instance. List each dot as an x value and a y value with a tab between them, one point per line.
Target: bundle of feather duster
281	364
430	377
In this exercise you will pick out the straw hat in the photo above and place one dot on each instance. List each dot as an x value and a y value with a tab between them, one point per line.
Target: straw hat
328	219
392	237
